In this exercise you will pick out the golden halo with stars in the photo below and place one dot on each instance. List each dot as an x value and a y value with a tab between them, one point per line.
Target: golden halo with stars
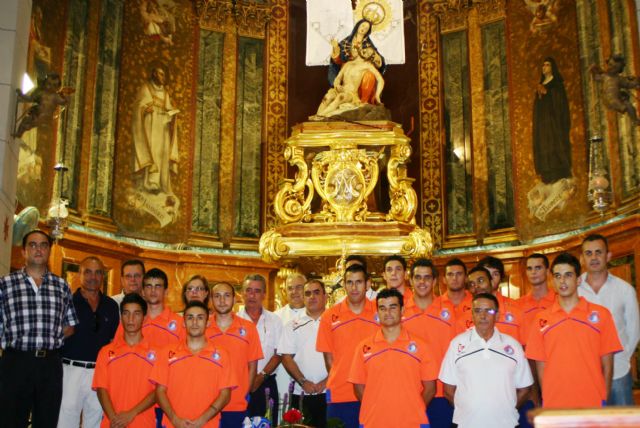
378	12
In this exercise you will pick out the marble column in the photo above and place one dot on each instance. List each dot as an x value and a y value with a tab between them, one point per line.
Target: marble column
14	38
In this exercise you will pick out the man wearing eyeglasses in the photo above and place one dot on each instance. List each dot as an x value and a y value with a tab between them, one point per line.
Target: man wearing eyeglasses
131	273
510	318
485	373
99	317
36	314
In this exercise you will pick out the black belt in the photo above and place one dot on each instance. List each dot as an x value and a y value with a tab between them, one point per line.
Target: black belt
39	353
82	364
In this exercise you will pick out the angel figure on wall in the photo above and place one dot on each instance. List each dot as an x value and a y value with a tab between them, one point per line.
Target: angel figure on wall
543	14
46	97
158	23
615	86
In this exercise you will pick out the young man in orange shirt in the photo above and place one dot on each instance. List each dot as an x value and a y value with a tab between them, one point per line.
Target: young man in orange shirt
161	327
455	277
573	343
541	296
121	377
194	377
393	367
395	274
342	327
432	320
240	338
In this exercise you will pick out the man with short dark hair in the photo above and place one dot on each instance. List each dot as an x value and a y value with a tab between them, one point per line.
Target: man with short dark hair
342	327
36	314
485	373
302	361
432	320
393	367
269	326
194	378
573	343
99	317
121	378
455	277
355	259
394	274
240	338
599	286
541	296
161	326
131	273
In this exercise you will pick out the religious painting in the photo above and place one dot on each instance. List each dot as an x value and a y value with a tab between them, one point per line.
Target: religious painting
543	15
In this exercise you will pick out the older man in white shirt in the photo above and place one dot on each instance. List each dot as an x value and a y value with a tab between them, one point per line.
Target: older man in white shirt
269	326
599	286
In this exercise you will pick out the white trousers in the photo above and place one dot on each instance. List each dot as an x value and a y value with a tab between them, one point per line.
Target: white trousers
78	399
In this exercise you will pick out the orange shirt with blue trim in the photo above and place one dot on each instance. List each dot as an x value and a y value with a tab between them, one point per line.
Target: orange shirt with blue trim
161	331
530	308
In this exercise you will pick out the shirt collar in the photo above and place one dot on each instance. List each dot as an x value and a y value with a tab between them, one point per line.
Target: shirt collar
581	306
379	337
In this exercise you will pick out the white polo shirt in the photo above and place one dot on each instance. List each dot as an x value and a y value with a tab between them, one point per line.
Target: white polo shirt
269	329
299	338
486	375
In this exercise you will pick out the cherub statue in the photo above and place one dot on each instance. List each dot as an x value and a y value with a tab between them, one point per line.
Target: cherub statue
615	86
46	98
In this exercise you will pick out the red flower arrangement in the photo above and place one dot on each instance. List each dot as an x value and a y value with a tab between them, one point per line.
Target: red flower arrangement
292	416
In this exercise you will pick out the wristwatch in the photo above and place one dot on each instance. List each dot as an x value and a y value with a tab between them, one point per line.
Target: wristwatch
302	381
264	374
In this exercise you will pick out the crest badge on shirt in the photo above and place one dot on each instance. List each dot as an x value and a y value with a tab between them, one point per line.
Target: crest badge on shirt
151	356
509	350
412	347
376	318
215	356
460	348
445	315
508	317
594	318
172	325
242	331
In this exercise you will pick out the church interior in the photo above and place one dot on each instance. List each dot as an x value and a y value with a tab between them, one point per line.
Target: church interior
235	176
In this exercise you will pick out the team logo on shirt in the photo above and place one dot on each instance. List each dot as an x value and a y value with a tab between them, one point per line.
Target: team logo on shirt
335	319
460	348
508	350
366	349
376	318
172	325
445	314
412	347
151	356
172	356
508	317
466	308
242	331
543	323
594	318
215	356
468	323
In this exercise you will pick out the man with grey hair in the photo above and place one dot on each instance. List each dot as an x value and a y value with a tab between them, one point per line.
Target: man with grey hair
269	326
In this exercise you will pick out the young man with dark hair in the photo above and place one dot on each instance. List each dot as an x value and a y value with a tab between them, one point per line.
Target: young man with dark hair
355	259
393	369
599	286
121	377
240	338
161	327
541	296
573	343
131	273
395	271
432	320
485	372
455	277
342	327
194	377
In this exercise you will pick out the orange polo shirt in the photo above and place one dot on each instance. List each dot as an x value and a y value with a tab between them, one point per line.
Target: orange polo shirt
462	308
242	342
392	373
530	307
510	319
193	381
123	371
339	333
571	346
435	325
161	331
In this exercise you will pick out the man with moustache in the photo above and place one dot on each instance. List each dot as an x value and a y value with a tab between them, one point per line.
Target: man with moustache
573	343
240	338
300	358
599	286
121	377
36	314
485	373
194	378
131	273
432	320
99	317
393	367
342	327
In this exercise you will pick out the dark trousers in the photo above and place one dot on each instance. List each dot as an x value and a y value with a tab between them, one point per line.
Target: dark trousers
314	409
258	399
30	385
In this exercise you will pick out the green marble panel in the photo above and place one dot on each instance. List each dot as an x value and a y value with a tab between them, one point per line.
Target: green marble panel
628	134
70	120
497	127
248	137
105	108
457	126
206	162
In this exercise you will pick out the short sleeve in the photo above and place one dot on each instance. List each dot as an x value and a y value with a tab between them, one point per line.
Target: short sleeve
255	348
609	340
100	374
523	376
160	371
535	341
277	328
70	317
324	341
287	343
448	369
429	363
357	371
228	379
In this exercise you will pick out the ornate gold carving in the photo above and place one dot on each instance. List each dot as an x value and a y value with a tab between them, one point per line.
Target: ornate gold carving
430	133
419	244
492	10
291	205
272	246
404	201
248	18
